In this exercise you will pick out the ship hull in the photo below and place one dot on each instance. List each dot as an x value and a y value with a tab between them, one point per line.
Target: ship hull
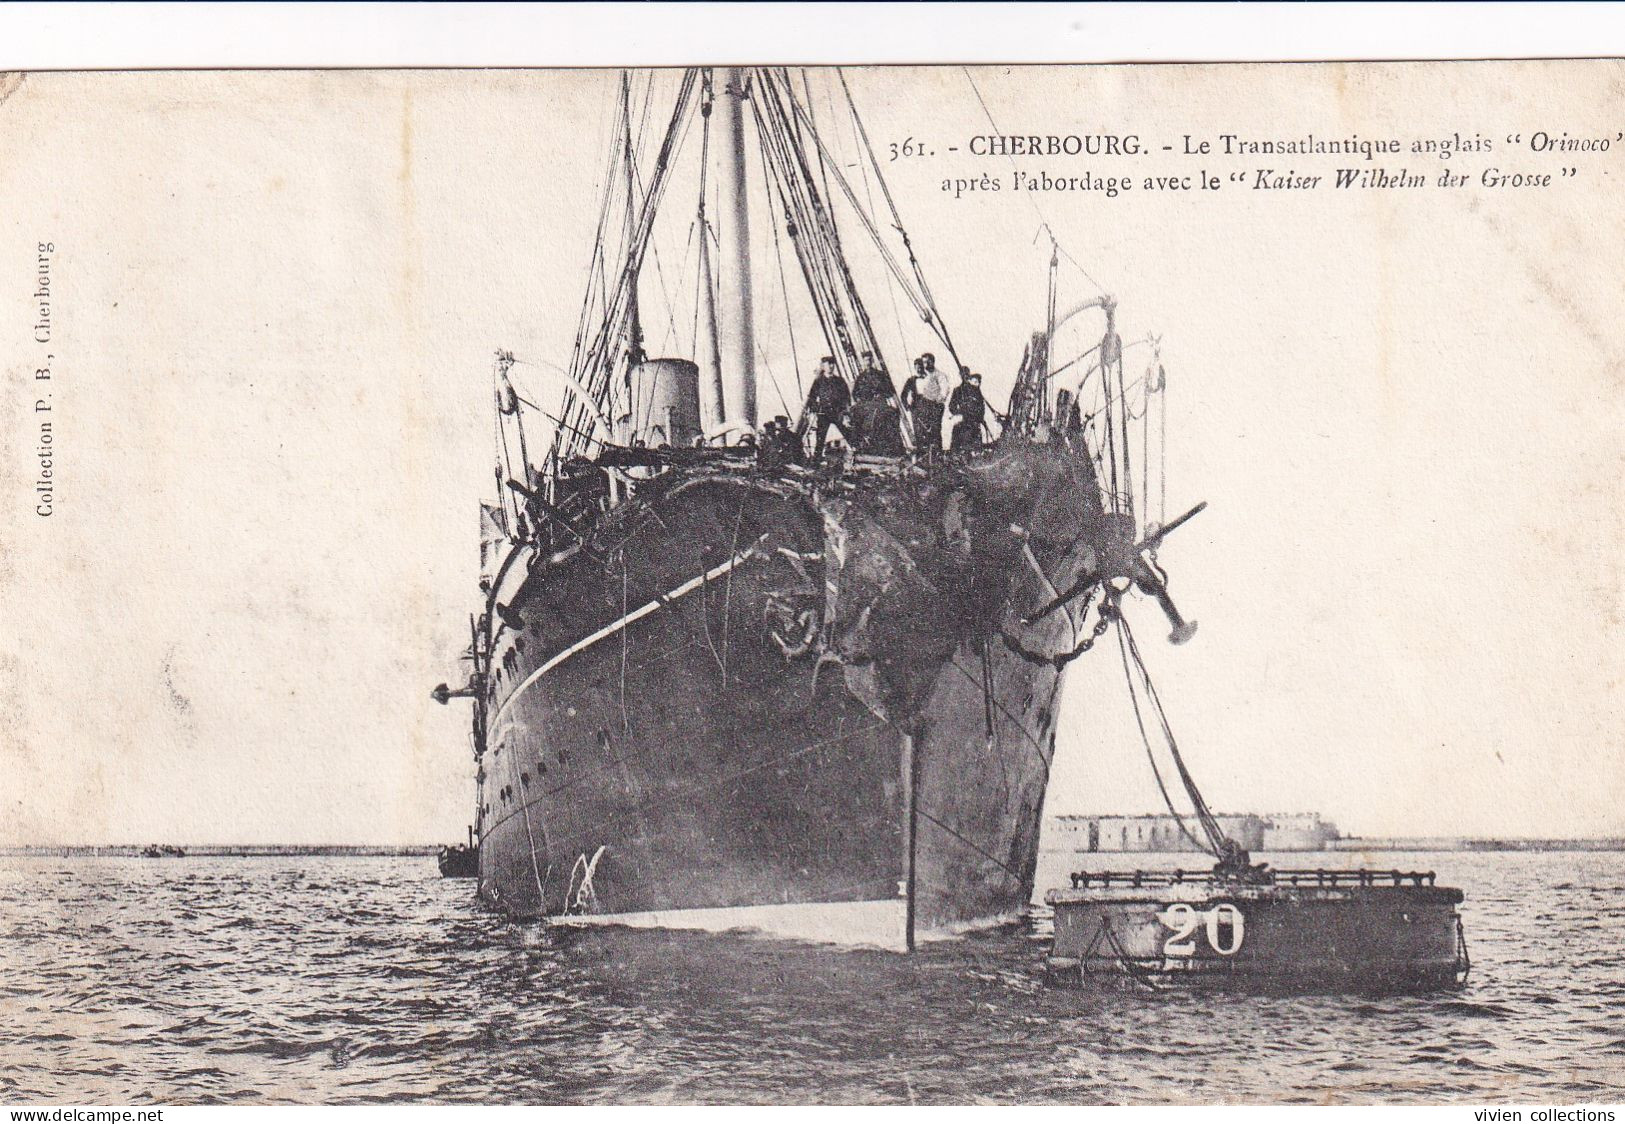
745	698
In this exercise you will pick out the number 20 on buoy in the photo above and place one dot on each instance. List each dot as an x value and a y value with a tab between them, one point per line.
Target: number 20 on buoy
1184	919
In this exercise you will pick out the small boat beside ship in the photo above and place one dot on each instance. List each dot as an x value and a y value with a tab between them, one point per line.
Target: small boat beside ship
459	860
1321	930
1242	924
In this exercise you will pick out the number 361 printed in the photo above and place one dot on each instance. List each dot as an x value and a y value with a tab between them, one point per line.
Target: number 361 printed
1225	928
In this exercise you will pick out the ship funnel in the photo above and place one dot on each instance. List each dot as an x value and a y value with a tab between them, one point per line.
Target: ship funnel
665	404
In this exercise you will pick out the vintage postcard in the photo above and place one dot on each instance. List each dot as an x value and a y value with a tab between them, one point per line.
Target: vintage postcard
1024	584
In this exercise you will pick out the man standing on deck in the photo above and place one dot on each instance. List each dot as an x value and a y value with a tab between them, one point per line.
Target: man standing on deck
877	427
873	381
971	409
875	419
826	406
925	395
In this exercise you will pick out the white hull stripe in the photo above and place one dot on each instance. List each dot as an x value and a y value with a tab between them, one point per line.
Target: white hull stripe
616	626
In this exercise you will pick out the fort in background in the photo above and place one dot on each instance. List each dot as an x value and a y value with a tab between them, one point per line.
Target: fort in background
227	850
1297	831
1272	831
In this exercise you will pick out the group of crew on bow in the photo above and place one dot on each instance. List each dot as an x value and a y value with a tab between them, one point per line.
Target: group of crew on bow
869	413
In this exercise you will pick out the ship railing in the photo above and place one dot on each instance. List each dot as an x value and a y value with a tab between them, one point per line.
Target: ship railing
1317	877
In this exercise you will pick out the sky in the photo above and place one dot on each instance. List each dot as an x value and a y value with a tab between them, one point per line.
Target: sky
276	295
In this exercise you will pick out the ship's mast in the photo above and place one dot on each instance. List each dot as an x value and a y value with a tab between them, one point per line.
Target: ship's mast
634	325
738	338
634	322
713	414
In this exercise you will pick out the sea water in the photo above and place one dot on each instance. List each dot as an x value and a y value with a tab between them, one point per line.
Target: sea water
266	980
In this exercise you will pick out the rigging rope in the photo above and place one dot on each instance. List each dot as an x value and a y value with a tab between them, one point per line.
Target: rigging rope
1145	454
707	97
597	363
832	258
784	289
586	435
1122	399
807	224
596	280
1029	197
1156	772
1111	427
823	212
1218	843
869	198
930	312
921	302
1162	443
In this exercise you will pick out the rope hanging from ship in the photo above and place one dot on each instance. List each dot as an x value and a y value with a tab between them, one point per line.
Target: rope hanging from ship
918	293
1134	970
809	220
1228	853
1156	771
809	227
596	283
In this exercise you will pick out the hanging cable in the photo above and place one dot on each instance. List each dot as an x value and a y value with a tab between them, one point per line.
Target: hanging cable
808	227
1218	842
1162	444
822	217
597	283
921	303
707	95
1111	428
1150	756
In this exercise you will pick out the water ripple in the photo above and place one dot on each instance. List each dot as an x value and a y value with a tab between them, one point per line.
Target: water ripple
360	980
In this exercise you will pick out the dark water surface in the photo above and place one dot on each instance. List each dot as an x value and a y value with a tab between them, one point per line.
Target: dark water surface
371	979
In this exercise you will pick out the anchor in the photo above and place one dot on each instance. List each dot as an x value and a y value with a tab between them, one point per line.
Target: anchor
1119	556
443	693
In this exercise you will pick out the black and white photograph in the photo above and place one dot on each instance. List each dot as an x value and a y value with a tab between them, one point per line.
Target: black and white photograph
806	584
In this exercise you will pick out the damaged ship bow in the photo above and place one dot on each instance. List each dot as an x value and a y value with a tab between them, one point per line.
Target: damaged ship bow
714	683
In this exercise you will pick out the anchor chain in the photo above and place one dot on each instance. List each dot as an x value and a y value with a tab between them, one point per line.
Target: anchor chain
1107	612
